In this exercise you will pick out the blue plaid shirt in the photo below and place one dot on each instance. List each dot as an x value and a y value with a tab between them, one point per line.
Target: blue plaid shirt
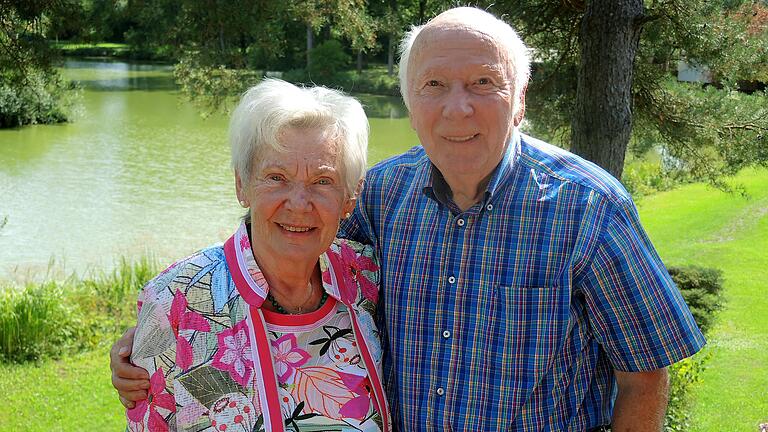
512	315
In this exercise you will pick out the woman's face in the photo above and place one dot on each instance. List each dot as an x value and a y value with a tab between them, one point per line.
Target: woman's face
296	197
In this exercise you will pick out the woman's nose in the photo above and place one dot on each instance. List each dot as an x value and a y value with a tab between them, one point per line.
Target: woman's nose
299	198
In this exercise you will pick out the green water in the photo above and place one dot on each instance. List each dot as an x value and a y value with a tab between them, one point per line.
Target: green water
138	172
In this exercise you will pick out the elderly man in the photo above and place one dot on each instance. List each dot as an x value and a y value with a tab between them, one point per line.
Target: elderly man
519	290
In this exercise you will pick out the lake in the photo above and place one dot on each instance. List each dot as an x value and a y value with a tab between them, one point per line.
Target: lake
138	172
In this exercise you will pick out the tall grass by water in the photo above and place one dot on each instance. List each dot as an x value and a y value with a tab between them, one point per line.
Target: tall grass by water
52	318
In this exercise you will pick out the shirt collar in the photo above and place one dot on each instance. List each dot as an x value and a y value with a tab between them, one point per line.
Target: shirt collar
248	277
437	188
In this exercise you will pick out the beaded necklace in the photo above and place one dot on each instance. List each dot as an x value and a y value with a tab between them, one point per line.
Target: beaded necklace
280	309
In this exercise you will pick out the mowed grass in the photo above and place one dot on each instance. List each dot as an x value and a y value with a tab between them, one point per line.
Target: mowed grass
697	225
72	394
692	225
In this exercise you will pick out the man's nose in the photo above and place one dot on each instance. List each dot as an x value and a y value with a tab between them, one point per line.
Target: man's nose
457	103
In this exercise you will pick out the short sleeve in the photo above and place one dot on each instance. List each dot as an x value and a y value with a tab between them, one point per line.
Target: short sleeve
358	226
636	312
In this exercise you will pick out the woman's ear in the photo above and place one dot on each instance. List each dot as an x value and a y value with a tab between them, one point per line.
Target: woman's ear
349	205
240	191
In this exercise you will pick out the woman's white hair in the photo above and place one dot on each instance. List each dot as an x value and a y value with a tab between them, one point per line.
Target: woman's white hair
273	105
487	23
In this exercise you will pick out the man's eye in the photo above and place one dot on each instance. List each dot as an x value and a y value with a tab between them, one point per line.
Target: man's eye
324	181
484	81
275	177
433	83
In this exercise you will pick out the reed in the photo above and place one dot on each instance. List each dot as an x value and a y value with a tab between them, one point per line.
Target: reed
49	319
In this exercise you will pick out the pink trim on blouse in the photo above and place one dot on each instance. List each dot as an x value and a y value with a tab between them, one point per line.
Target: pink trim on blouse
255	294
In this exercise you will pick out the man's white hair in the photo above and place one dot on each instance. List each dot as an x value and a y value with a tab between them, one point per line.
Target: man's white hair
273	105
478	19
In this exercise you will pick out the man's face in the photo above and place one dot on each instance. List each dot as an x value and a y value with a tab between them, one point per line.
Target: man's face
462	98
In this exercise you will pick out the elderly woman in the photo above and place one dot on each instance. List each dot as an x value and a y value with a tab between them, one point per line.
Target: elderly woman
273	330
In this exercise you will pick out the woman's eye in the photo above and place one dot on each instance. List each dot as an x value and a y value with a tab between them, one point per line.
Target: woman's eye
484	81
275	177
433	83
324	181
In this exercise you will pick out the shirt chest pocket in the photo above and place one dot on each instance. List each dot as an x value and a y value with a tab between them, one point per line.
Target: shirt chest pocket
524	326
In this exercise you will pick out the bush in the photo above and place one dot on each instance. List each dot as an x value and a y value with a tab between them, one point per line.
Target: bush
702	290
327	60
373	80
682	376
42	98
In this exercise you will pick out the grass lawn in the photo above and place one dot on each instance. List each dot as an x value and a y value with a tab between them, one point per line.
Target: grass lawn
691	225
696	225
74	394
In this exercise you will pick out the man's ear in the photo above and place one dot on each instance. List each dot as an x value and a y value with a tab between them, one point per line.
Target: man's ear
521	108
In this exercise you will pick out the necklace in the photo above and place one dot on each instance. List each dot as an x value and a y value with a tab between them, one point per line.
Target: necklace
280	309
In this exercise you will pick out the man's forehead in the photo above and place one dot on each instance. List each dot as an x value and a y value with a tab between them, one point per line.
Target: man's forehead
452	33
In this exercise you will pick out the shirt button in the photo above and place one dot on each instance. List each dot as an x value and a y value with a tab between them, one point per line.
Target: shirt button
446	334
489	207
440	391
451	280
460	222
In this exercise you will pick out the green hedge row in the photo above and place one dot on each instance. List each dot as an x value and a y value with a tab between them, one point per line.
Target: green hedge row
702	290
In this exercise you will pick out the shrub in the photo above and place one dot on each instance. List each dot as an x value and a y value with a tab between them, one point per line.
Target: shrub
682	376
53	318
702	290
327	59
42	98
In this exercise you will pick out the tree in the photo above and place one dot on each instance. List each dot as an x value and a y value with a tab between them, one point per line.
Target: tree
583	49
602	119
31	91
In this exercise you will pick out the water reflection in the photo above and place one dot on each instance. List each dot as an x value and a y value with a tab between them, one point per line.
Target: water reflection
139	172
383	106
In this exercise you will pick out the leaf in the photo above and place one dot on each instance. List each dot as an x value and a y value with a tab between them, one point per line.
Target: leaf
322	389
258	427
207	384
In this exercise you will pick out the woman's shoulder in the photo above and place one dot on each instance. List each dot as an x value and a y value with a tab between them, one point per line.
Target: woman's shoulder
361	249
186	272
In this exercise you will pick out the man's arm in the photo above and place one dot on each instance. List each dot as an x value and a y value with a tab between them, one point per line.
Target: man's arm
130	381
641	401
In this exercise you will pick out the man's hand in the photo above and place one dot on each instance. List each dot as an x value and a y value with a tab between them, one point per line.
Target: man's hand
130	381
641	401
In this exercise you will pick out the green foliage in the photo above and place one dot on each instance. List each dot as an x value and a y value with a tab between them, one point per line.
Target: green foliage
328	59
50	319
702	290
33	322
212	88
712	135
42	98
683	375
31	91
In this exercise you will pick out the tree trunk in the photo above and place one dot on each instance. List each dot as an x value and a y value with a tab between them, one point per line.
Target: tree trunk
310	43
391	56
602	120
359	62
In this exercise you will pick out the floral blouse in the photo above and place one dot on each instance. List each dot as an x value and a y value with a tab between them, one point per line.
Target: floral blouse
219	362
